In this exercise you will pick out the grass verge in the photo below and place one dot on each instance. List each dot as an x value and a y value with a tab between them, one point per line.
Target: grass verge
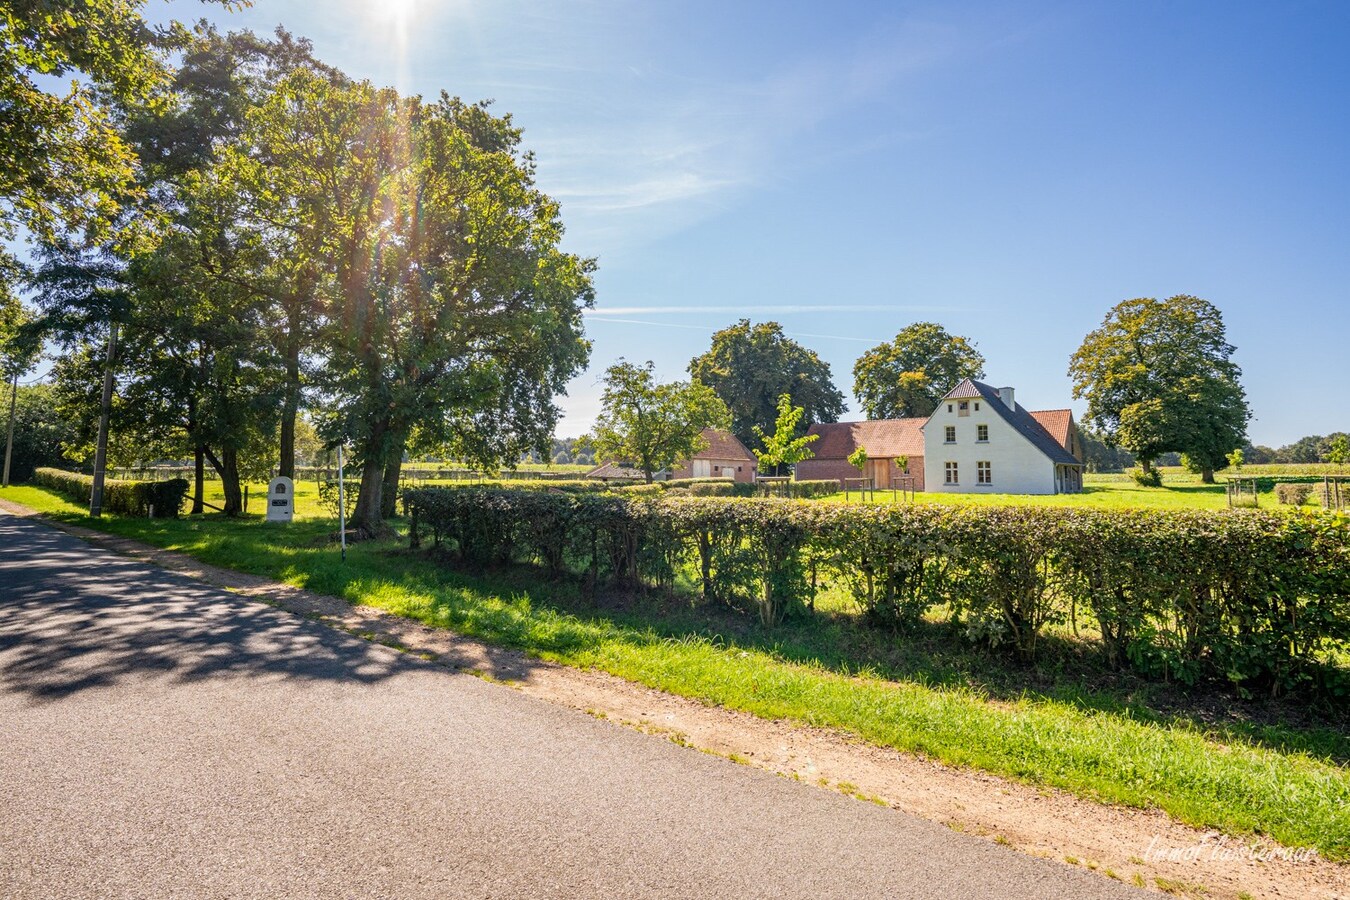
1204	777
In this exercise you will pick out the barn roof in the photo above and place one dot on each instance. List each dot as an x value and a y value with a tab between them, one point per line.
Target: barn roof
723	445
882	438
1056	421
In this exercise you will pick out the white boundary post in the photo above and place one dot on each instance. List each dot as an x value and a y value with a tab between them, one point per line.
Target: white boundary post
342	506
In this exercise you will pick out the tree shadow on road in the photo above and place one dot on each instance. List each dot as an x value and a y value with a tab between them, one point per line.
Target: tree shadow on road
74	618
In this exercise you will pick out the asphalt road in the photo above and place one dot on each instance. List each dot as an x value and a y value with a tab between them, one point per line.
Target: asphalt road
161	738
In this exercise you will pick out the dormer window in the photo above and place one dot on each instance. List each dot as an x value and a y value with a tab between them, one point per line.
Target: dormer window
982	433
951	434
963	408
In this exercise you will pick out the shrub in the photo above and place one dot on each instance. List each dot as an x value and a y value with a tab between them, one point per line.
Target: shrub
328	497
1292	493
1151	478
801	490
641	489
1256	599
121	498
721	488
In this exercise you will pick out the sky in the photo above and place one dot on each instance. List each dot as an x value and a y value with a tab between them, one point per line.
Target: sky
1009	170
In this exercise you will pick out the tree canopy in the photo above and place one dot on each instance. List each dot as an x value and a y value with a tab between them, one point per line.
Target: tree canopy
1158	376
384	261
751	366
65	165
652	425
906	377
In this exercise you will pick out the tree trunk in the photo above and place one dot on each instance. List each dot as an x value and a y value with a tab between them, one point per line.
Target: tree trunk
1146	464
368	515
290	407
389	490
227	467
198	481
1207	476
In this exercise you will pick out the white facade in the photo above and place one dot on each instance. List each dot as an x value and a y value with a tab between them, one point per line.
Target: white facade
1014	464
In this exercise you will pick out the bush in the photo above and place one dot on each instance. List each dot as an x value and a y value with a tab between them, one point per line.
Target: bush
801	490
1151	478
1256	599
120	498
642	489
1292	493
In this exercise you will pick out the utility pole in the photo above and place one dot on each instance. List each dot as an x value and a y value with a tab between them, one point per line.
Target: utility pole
101	449
9	441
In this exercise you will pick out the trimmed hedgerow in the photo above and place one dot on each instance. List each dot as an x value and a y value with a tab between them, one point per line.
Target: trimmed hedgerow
1292	493
120	498
1257	599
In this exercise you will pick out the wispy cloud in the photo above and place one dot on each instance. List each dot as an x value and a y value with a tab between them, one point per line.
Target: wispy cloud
629	169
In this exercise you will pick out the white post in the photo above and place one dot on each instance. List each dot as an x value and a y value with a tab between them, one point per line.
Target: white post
342	507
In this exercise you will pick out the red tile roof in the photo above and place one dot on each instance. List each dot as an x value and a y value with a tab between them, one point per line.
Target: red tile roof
723	445
966	390
882	438
1057	422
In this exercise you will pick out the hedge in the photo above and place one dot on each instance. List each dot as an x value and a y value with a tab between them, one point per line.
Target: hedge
1254	598
1293	493
121	498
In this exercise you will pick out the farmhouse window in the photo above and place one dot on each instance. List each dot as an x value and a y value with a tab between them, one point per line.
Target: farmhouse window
977	406
951	434
963	408
949	407
953	476
982	433
984	473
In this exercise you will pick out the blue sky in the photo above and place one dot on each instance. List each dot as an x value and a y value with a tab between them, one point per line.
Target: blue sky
1010	170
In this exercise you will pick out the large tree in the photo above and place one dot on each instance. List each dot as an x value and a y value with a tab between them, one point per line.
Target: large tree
194	372
652	425
906	377
227	124
448	316
1159	376
751	366
41	432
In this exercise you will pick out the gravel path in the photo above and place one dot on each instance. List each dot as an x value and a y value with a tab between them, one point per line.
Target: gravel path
160	737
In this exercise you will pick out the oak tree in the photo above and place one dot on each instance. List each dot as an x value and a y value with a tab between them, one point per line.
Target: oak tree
906	377
1159	376
752	366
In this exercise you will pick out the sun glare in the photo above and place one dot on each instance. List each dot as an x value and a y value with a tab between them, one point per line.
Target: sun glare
398	11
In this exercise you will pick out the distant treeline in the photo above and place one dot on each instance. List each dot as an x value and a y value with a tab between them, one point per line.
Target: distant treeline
1101	457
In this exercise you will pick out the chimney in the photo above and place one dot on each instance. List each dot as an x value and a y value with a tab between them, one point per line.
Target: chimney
1006	395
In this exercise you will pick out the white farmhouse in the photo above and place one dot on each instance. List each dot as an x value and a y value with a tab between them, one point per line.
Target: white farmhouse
979	440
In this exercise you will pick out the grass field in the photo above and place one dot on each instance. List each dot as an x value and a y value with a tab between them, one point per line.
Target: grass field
1095	494
1180	490
1065	724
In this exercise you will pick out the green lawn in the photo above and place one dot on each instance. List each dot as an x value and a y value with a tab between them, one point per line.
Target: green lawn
1043	727
1179	491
